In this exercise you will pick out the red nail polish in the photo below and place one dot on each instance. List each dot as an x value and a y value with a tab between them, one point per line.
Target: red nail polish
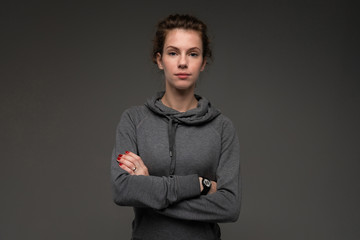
120	164
118	158
127	152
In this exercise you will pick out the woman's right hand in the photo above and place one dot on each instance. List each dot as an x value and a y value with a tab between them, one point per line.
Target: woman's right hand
212	188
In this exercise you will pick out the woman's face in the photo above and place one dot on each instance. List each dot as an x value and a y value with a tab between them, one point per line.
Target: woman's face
182	59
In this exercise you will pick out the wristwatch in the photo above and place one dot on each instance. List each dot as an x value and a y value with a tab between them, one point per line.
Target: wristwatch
206	185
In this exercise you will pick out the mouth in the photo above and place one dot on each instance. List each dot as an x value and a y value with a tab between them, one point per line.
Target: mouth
182	75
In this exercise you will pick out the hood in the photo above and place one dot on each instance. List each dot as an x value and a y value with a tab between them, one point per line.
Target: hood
197	116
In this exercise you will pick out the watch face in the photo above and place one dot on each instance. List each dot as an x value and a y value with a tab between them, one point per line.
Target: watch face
207	183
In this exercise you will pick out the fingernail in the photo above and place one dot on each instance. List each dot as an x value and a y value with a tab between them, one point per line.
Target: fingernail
118	158
127	152
120	164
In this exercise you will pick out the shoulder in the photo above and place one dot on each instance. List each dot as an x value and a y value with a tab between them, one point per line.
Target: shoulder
222	122
135	114
224	127
136	111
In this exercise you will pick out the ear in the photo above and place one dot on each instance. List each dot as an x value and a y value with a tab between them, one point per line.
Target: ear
158	60
203	65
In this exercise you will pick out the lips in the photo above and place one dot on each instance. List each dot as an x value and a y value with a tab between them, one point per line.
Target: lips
182	75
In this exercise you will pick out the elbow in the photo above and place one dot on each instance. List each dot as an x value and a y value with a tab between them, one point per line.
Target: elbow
119	192
230	214
232	211
118	196
235	209
233	214
118	200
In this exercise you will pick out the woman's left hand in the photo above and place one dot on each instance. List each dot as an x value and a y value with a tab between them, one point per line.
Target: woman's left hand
132	163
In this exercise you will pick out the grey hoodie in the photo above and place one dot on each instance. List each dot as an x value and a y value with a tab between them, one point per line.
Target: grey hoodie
177	148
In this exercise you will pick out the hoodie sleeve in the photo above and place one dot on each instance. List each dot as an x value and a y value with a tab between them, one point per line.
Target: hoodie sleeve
145	191
224	204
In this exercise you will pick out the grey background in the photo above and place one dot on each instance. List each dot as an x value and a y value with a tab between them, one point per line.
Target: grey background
286	73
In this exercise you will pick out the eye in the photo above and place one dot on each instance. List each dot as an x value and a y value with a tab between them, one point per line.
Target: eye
172	53
194	54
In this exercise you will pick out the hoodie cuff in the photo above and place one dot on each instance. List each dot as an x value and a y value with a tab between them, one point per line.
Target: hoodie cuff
188	186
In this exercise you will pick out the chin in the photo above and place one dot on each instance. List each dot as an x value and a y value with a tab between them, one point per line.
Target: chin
184	87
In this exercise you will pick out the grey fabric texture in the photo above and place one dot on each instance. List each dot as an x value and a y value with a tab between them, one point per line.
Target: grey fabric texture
177	148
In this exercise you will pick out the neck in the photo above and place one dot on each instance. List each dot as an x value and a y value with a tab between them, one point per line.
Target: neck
181	101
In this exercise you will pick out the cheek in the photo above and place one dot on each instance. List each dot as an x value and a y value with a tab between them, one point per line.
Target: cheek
199	66
168	64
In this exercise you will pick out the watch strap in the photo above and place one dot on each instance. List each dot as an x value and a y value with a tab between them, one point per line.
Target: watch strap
206	183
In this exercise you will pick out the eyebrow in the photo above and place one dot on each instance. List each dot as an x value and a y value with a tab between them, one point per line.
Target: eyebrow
193	48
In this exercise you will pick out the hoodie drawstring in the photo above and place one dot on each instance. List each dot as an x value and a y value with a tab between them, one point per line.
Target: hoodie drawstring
173	124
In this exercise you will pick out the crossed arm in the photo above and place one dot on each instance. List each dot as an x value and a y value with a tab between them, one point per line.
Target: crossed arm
176	196
134	165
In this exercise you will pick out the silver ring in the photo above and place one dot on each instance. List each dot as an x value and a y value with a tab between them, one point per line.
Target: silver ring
134	169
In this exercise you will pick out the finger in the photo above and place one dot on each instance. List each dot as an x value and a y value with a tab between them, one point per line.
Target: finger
213	187
128	153
135	159
119	157
138	163
133	155
127	163
126	169
129	159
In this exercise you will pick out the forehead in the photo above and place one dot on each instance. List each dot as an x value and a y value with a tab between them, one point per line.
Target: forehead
183	38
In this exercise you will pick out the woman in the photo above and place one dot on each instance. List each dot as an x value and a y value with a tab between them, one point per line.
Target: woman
176	159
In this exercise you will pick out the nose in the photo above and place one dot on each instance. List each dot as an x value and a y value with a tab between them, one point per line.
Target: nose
182	62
